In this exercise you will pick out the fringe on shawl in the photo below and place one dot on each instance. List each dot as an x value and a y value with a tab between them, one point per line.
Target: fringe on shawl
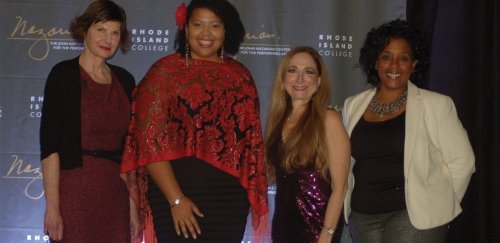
138	187
261	229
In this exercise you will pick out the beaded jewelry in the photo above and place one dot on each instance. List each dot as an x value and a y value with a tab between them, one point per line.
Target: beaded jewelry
380	109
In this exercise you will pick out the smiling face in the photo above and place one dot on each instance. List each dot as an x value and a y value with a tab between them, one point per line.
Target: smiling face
395	64
102	39
301	78
205	34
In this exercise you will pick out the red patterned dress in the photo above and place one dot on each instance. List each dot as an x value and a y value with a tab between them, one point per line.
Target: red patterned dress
94	198
203	117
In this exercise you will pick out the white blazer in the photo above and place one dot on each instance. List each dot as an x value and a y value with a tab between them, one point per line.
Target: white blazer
438	157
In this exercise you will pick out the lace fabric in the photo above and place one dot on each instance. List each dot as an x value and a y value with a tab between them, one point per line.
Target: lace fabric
208	110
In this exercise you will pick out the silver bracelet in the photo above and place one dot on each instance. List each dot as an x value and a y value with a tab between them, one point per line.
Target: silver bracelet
177	201
329	230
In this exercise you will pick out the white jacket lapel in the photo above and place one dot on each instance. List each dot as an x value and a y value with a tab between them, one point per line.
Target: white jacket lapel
412	121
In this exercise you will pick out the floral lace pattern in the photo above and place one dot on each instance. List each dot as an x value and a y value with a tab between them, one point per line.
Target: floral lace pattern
209	110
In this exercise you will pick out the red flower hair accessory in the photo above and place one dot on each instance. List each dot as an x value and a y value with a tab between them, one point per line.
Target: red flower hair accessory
180	16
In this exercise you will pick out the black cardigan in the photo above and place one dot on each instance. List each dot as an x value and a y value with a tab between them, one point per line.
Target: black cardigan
60	126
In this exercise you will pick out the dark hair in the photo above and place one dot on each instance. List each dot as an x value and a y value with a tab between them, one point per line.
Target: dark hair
234	30
378	38
101	11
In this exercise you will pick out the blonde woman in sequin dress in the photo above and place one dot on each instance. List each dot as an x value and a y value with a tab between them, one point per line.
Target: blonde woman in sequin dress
307	151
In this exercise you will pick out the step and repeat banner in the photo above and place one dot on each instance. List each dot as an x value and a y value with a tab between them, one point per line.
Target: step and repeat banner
34	36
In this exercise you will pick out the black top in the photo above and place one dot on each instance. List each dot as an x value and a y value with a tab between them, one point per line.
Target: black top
60	126
378	148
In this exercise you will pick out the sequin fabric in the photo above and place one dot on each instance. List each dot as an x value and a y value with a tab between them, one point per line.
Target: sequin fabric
300	205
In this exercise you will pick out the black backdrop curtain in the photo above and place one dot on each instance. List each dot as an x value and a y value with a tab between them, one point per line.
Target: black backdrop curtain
465	64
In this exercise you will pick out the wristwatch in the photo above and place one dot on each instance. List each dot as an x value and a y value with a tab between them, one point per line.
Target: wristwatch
177	201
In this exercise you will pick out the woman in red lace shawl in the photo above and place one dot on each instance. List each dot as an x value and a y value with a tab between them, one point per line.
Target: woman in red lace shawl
194	148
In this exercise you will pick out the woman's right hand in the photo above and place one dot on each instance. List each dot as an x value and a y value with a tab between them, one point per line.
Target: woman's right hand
53	224
184	218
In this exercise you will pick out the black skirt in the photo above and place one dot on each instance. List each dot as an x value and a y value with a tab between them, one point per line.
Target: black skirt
218	195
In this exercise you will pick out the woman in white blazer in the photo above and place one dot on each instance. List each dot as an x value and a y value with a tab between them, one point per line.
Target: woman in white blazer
411	158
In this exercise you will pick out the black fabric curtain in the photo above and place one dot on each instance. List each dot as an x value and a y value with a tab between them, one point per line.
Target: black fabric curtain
465	64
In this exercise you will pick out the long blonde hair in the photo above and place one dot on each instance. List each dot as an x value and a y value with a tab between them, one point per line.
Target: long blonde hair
305	145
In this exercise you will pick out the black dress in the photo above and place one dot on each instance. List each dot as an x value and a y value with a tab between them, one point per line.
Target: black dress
218	195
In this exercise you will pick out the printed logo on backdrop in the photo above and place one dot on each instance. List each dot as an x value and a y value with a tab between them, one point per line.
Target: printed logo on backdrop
35	106
26	174
42	39
257	44
335	45
149	40
37	237
1	112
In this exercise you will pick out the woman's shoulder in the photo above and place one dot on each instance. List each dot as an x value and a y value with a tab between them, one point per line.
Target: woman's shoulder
435	99
432	94
332	115
239	72
161	70
334	108
171	57
167	64
66	65
359	97
174	59
125	78
121	71
237	65
231	60
62	72
361	94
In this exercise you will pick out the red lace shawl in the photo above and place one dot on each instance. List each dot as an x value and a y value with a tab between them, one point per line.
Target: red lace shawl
209	110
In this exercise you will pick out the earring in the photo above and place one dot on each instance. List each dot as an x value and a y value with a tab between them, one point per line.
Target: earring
222	53
187	53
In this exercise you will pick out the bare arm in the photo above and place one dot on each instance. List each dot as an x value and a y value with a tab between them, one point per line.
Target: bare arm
339	153
184	219
53	224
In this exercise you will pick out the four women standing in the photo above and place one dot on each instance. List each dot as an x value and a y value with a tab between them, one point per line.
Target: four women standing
194	152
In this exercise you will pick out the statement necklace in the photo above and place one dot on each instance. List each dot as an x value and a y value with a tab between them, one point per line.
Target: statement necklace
380	109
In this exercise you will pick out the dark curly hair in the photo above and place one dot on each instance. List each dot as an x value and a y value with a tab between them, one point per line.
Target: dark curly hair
378	38
101	11
234	30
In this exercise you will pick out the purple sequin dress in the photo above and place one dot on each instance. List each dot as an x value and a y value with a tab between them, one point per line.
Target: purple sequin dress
300	204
